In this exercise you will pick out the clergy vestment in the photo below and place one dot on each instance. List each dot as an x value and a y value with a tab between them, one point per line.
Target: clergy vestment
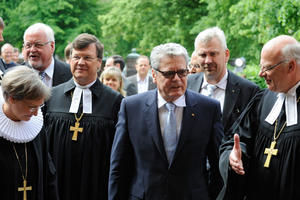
82	164
281	179
41	174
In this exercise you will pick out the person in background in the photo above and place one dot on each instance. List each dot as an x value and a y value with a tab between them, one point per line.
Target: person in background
2	68
39	46
67	53
142	81
16	55
112	77
263	145
164	136
26	168
194	66
80	123
232	91
7	51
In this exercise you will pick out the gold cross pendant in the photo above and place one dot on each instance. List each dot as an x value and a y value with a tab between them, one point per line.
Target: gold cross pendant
76	129
24	189
270	152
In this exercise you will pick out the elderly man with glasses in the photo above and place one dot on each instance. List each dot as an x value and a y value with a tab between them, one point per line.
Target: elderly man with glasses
164	136
38	48
263	149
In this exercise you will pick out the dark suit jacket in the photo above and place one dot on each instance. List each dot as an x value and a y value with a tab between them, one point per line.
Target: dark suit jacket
139	166
238	93
2	67
133	80
62	72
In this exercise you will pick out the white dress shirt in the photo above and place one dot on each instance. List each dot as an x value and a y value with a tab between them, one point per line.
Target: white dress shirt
219	93
163	111
142	84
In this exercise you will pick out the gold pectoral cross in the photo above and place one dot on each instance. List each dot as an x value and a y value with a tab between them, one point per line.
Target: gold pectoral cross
24	189
76	129
271	152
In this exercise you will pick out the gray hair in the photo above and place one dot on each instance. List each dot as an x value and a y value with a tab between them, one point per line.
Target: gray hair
168	49
22	82
291	51
40	27
209	34
5	46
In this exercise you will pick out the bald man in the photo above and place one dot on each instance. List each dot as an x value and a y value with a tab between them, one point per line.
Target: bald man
260	159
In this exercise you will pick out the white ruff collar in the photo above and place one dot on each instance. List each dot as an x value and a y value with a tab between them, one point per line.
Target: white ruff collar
21	131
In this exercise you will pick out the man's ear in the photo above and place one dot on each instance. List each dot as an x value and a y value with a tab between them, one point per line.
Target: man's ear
154	76
292	65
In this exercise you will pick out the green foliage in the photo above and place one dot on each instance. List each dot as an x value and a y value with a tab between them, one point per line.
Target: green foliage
68	18
251	73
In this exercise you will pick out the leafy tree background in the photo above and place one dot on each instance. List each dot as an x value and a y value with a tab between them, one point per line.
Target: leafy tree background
125	24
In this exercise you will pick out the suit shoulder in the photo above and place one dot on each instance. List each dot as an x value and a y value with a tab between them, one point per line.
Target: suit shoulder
131	78
199	98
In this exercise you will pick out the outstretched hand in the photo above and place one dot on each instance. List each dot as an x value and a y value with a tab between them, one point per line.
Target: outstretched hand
235	157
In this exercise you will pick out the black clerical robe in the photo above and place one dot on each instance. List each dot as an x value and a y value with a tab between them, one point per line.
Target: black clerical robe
41	172
82	165
281	180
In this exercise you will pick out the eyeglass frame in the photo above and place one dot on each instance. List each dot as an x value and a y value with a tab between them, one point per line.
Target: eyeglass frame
37	45
190	66
36	108
171	74
265	69
85	58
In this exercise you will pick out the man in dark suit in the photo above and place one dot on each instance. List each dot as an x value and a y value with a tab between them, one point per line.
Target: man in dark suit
141	80
39	46
159	152
232	91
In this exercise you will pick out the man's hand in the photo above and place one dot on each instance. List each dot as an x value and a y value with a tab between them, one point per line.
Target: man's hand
235	157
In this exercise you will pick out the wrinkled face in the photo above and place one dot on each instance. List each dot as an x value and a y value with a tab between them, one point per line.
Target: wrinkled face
38	50
142	67
1	35
112	82
274	70
212	59
7	54
85	64
22	110
170	88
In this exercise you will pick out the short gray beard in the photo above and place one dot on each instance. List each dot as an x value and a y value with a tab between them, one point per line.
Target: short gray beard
37	67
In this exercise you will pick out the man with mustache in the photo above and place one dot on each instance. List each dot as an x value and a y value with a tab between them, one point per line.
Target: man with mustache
39	46
232	91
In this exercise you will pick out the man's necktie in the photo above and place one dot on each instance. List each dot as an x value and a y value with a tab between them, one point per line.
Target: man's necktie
42	75
210	89
170	136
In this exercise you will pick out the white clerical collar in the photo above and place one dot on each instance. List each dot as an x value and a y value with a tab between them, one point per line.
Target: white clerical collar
180	102
20	131
87	98
221	84
290	107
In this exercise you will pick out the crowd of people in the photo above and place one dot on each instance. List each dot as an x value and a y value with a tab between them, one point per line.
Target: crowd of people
179	129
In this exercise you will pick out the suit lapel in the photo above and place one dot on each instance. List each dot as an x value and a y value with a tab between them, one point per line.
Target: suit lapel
231	95
152	120
199	82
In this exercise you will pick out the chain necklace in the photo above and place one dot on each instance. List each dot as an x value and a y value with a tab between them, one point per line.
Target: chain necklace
24	176
271	151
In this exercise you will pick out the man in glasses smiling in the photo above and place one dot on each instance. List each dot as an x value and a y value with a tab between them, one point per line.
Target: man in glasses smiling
38	48
263	146
164	136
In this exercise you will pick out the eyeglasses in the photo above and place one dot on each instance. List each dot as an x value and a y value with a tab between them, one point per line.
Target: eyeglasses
190	66
171	74
85	58
37	45
35	108
264	69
